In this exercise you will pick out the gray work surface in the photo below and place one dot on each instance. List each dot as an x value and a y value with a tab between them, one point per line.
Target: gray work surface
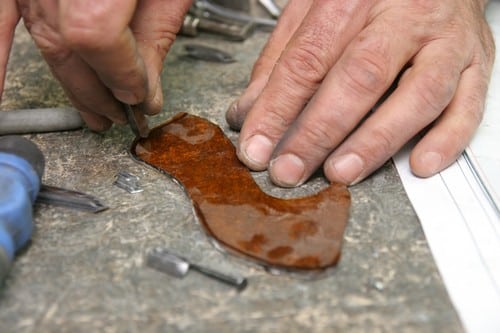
86	273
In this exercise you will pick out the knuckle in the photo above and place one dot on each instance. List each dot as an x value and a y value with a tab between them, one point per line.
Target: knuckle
305	64
474	107
435	89
487	47
86	31
49	44
427	5
318	135
366	72
431	11
381	145
455	141
273	122
279	120
263	66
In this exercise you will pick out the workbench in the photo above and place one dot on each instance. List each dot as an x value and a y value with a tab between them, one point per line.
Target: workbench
86	272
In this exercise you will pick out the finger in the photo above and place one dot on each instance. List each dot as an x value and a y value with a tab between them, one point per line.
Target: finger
98	31
154	26
365	71
447	139
310	54
423	93
99	109
289	21
84	89
9	16
81	84
94	121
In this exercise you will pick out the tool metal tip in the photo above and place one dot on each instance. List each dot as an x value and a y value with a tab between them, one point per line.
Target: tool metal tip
139	128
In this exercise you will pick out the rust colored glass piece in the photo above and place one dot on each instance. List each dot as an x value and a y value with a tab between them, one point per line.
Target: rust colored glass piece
290	234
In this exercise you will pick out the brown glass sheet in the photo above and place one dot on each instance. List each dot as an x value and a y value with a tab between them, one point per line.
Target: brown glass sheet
293	234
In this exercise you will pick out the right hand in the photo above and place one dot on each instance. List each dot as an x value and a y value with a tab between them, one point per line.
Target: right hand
328	63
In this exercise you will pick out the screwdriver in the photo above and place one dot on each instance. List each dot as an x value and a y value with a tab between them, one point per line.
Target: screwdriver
165	261
139	128
62	197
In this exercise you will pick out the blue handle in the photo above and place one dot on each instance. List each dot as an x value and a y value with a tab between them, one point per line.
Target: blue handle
19	186
20	173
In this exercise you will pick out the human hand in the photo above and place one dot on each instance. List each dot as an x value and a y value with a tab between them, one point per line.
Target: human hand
105	51
9	16
328	63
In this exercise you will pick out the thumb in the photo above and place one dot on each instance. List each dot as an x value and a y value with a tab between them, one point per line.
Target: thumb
155	25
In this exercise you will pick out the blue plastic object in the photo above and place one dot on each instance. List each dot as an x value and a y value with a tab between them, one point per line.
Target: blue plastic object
21	168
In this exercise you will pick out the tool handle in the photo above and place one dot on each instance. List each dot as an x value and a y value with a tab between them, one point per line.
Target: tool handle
21	168
39	120
238	282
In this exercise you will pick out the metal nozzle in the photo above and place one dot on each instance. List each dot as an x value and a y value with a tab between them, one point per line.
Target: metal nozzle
4	265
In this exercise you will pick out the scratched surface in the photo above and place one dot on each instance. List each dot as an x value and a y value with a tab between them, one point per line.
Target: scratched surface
86	273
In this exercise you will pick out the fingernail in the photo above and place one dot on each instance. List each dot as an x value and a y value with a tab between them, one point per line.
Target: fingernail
238	110
287	170
348	168
233	118
233	107
256	151
432	162
126	96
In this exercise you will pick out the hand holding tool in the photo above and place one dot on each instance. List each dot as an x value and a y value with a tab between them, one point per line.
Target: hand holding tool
21	168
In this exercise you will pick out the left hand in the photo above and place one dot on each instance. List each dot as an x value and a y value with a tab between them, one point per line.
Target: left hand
105	52
328	63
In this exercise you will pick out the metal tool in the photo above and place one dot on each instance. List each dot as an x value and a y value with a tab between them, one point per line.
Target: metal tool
61	197
235	31
128	182
271	7
208	9
165	261
211	10
206	53
39	120
140	131
229	20
240	5
21	169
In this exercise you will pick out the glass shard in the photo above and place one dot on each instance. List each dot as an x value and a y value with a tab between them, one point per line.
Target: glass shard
300	234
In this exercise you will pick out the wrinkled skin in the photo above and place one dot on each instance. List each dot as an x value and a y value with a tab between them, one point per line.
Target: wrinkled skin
102	51
329	62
